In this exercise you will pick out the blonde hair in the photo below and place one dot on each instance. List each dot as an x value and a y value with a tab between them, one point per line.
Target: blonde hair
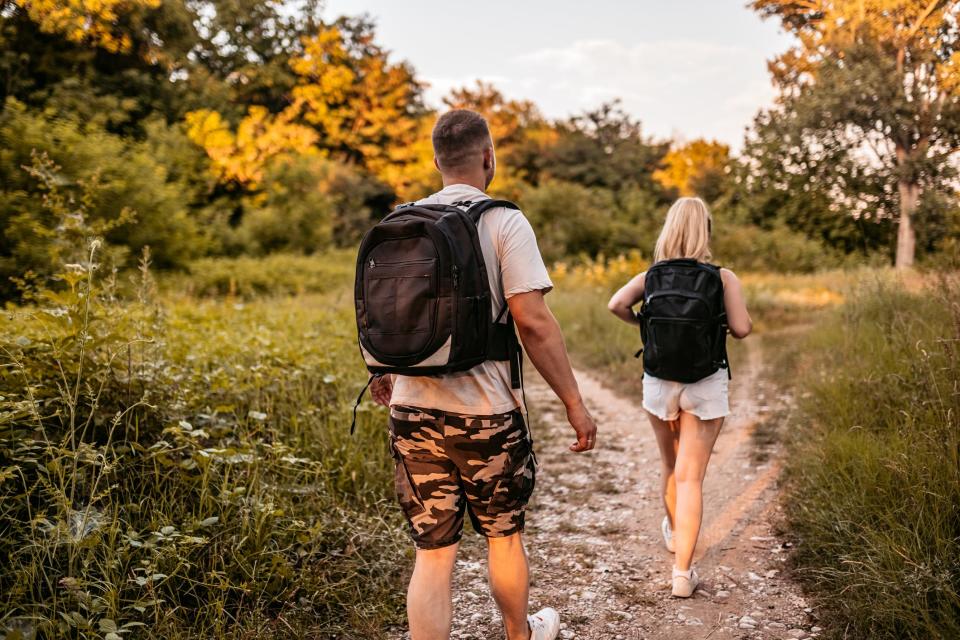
686	232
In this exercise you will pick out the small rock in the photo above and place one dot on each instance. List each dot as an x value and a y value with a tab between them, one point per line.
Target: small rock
566	634
816	629
772	573
776	625
796	633
753	576
748	620
721	595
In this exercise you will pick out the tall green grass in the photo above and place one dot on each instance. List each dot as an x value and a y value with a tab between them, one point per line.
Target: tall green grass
599	341
181	468
873	465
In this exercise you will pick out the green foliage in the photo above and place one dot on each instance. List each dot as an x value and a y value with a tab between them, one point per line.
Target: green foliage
185	467
873	471
306	204
94	171
606	148
571	219
810	185
275	275
752	248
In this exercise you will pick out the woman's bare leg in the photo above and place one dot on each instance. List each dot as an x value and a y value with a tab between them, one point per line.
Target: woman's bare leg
668	440
697	438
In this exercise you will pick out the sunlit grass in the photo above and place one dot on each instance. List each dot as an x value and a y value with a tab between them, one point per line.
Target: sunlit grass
873	464
186	465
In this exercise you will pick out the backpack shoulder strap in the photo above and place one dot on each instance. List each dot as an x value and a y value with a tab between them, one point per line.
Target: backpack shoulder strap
477	208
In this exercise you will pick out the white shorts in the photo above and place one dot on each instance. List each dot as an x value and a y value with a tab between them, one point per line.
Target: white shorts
706	398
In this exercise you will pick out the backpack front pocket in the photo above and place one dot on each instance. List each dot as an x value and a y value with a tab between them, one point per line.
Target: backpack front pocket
680	347
401	301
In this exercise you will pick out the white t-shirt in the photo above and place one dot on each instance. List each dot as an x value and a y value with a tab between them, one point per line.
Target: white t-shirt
514	265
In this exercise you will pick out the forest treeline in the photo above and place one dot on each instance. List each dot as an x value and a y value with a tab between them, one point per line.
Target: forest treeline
205	128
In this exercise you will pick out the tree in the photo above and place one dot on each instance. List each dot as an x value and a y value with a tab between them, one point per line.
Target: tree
782	178
605	148
96	22
520	133
695	168
881	80
366	109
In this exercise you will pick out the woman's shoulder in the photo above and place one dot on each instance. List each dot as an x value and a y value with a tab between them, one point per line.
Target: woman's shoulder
728	275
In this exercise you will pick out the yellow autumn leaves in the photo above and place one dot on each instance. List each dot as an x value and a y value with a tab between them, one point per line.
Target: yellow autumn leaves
355	106
93	21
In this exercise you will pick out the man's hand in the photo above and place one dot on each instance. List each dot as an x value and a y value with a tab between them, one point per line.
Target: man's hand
543	342
382	389
582	422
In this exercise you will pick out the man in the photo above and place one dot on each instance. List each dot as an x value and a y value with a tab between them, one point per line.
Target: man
459	439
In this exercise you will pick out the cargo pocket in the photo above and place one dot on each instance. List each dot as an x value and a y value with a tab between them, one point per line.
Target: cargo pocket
406	490
514	488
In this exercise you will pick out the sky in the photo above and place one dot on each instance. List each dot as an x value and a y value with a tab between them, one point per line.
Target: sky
684	68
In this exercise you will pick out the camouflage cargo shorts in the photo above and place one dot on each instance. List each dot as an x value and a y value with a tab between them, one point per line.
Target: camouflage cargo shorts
448	464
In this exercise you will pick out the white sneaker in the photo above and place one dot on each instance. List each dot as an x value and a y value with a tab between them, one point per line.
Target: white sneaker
685	582
544	624
667	533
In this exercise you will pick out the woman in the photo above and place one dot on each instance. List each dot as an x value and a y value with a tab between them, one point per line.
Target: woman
686	417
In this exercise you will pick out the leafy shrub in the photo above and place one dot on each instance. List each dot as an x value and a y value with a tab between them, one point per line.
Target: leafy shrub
750	248
178	468
873	471
103	174
306	204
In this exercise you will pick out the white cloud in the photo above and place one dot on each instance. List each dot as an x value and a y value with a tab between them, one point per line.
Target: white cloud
670	85
698	88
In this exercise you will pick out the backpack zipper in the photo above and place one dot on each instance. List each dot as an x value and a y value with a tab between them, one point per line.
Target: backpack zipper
456	277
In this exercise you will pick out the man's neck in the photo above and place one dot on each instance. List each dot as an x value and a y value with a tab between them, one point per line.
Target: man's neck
477	182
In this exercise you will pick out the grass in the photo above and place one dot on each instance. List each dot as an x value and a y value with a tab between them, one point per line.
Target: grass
273	275
873	464
600	342
178	467
176	463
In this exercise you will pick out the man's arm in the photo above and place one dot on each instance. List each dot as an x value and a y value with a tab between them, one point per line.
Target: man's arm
544	344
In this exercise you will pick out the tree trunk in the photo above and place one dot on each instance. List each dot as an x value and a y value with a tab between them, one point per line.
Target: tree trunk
906	238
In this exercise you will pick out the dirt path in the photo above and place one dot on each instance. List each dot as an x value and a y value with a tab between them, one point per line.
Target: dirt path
593	531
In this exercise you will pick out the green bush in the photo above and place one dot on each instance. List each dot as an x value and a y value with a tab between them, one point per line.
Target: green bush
751	248
98	172
873	467
182	469
305	205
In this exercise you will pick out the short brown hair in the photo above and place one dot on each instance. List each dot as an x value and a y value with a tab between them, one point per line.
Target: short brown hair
458	135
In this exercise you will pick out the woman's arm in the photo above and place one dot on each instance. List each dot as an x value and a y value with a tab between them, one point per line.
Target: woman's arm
623	301
738	319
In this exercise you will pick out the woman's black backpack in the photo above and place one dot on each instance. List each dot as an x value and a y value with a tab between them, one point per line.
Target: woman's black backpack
422	293
683	322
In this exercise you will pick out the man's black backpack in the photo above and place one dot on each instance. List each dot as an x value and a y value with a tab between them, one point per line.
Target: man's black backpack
423	296
683	323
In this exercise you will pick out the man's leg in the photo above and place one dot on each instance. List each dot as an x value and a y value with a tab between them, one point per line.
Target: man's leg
429	595
510	583
432	501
